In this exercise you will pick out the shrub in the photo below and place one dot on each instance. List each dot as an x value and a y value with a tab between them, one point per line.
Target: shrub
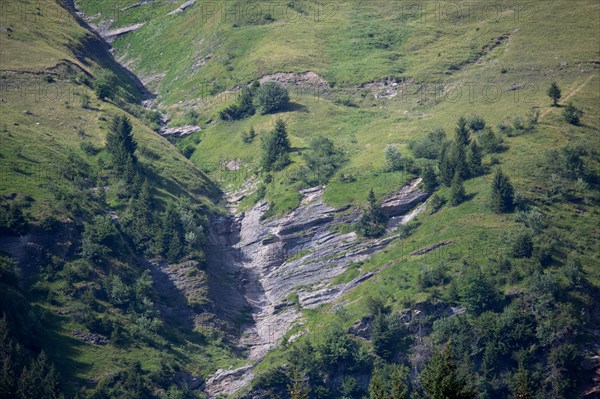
105	85
533	218
490	142
572	114
393	158
431	146
12	217
476	123
271	97
84	101
188	150
243	108
78	270
323	159
430	276
248	137
89	148
523	245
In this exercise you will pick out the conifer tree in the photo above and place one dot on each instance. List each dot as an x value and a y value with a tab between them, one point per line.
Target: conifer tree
121	145
275	148
446	168
458	157
298	390
463	137
441	380
429	178
457	190
376	386
523	384
554	93
171	234
502	194
400	381
474	157
372	221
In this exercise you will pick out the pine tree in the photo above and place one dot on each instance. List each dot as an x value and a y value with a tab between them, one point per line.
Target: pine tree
474	157
275	148
299	390
457	190
121	145
458	157
7	361
171	236
429	178
446	168
140	221
554	93
502	194
372	221
523	384
376	387
400	380
462	135
441	380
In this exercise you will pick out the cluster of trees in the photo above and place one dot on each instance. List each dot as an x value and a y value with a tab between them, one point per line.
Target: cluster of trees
268	98
12	216
22	374
571	113
312	367
172	234
460	159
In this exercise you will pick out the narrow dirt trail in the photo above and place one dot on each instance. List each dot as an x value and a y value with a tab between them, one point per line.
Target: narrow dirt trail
568	97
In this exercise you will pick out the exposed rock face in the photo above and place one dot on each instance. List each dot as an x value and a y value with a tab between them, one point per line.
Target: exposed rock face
32	248
405	200
258	263
180	131
112	34
361	328
182	7
90	338
229	380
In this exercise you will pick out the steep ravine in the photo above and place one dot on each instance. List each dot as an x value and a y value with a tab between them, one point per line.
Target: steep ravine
257	264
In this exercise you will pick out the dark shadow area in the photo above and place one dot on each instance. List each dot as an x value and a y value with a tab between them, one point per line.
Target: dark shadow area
294	107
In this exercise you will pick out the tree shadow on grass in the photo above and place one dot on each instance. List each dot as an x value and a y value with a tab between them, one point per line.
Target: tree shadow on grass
294	107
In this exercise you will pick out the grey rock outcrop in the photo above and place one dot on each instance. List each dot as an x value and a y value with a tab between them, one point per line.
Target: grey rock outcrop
404	200
295	256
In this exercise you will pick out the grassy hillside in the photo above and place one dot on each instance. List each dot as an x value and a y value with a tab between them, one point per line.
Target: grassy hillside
390	73
58	184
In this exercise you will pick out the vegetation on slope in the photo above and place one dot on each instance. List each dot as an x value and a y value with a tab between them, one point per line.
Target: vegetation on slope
506	307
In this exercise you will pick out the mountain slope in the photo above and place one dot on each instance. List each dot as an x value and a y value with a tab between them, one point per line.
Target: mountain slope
284	291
